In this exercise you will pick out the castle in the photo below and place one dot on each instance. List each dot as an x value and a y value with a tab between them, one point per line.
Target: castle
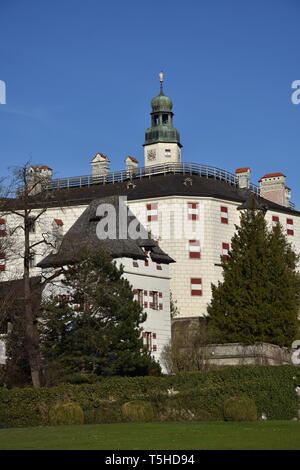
189	211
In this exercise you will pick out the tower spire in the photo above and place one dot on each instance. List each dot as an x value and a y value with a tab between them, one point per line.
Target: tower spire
162	140
161	79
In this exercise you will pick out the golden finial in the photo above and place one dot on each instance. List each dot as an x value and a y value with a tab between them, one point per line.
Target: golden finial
161	79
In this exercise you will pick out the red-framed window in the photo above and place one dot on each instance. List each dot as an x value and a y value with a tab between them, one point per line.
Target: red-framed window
149	340
194	249
196	286
193	211
145	299
2	227
2	261
135	264
140	296
275	221
224	214
158	266
160	305
154	303
152	212
290	226
225	249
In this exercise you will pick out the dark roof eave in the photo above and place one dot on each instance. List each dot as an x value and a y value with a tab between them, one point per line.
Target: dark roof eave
53	261
154	186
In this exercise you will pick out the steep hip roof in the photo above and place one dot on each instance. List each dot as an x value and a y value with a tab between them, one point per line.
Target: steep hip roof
83	234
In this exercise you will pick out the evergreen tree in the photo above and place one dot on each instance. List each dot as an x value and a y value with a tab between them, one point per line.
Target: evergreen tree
95	327
258	299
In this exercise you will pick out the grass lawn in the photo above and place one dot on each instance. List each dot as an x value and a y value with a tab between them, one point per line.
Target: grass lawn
156	436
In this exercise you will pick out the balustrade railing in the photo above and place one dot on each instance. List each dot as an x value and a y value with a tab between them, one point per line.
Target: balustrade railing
148	171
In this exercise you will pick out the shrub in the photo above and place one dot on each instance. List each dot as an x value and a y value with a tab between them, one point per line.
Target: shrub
105	413
66	413
138	411
172	412
204	415
240	408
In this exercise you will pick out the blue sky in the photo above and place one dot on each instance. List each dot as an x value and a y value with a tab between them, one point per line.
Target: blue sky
80	76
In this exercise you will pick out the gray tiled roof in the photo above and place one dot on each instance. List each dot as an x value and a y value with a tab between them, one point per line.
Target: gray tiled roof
83	234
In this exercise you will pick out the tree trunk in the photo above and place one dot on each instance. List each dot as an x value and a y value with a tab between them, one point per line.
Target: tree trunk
32	345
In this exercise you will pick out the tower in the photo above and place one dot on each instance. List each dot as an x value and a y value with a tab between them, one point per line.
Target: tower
162	141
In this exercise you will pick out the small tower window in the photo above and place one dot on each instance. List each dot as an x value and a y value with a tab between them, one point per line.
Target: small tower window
165	119
155	120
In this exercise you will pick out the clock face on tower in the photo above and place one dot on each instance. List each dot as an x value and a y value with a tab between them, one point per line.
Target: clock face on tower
151	155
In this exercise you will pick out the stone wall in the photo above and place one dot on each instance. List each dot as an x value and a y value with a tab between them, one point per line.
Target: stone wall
235	354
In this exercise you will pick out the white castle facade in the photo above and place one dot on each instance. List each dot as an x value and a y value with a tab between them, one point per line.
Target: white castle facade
190	209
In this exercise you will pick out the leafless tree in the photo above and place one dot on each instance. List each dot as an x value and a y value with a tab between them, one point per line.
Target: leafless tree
25	200
188	349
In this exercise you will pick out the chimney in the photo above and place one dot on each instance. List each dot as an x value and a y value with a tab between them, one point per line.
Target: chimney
100	165
288	195
131	163
243	177
38	177
273	188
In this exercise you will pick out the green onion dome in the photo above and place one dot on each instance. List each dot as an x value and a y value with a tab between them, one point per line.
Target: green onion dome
161	103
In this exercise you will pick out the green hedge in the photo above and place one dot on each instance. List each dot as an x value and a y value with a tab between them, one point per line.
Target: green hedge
200	396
